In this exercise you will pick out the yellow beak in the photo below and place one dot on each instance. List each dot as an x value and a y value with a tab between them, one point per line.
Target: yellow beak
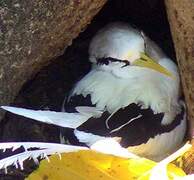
146	61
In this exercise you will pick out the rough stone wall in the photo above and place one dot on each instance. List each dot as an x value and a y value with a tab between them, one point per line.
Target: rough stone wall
181	19
33	32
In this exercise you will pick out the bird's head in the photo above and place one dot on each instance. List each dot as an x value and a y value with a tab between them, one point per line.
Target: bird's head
119	46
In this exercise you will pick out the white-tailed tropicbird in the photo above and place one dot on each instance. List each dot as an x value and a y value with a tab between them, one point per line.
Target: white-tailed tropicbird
131	94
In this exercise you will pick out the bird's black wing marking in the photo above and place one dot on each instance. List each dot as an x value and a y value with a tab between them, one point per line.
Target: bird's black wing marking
136	132
98	126
69	106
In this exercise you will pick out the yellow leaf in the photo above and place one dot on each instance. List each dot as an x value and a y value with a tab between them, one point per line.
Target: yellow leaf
92	165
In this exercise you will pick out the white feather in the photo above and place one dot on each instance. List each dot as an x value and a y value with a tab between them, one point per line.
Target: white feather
89	111
70	120
110	146
161	167
87	138
27	145
48	149
106	146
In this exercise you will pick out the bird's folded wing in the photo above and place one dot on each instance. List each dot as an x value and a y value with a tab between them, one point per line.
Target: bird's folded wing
69	120
89	111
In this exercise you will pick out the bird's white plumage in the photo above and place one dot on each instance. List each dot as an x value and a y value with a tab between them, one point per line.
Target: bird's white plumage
69	120
88	138
113	90
115	40
113	86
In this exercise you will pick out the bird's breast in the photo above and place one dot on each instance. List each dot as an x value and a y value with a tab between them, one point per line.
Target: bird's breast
109	92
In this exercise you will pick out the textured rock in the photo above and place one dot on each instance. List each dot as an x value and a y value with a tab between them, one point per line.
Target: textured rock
32	33
181	19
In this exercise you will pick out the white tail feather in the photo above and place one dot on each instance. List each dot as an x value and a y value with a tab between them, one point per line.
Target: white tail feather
69	120
49	149
46	149
40	145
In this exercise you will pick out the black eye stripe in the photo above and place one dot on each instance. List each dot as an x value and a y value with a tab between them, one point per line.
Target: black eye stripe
103	61
107	60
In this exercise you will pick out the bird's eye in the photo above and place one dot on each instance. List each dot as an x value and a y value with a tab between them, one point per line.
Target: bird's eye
107	60
101	61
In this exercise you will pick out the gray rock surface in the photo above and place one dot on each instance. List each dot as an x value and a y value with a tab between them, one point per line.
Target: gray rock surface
34	32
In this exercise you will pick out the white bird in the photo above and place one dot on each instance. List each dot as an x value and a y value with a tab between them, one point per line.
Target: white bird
131	94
